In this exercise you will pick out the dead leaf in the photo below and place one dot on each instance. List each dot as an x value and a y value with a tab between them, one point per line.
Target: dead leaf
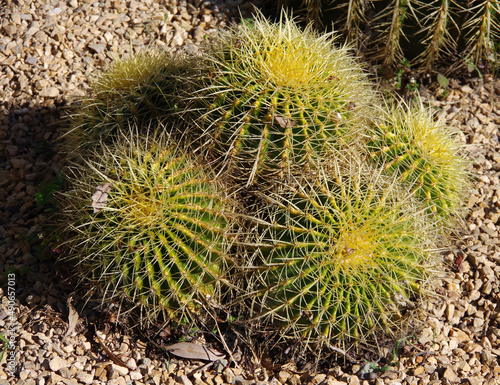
110	354
72	319
194	351
100	197
283	122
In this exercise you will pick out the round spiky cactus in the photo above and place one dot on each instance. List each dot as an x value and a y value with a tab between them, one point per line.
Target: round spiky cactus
274	99
425	156
133	90
340	259
151	226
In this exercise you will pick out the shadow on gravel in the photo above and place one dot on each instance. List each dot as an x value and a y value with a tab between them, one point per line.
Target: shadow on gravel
30	172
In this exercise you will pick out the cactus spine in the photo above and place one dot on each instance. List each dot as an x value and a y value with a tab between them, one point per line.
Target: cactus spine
425	155
274	99
341	258
162	239
132	91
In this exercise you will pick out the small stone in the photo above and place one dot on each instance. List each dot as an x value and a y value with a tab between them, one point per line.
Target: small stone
185	380
17	162
464	366
450	375
459	335
97	48
475	380
57	363
318	379
31	60
332	381
135	375
450	311
86	378
50	92
177	40
120	370
419	370
283	376
427	335
199	33
478	322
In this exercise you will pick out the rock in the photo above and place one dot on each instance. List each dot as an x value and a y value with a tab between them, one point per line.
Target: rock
332	381
427	335
419	370
450	375
57	363
50	92
86	378
31	60
120	370
97	48
459	336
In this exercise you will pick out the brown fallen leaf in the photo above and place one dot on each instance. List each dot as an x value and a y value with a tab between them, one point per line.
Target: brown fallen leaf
283	122
100	197
72	319
194	351
110	354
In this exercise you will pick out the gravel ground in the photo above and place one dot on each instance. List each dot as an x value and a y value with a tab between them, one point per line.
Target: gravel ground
48	51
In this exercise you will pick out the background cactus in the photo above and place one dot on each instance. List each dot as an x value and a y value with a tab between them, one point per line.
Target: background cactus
132	92
425	155
340	259
424	32
162	238
273	99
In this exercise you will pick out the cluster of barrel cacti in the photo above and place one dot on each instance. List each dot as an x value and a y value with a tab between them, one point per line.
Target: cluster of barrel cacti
424	32
265	172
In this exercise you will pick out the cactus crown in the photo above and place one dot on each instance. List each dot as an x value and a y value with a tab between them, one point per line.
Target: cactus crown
342	257
273	99
426	156
135	90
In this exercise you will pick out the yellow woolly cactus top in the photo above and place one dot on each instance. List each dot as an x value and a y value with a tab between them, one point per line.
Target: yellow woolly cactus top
286	56
354	248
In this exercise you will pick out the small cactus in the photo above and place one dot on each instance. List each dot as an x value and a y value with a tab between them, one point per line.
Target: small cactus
160	230
340	259
132	91
425	155
274	99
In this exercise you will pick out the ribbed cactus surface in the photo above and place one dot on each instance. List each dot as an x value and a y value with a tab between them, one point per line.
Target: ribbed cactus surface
425	155
160	232
427	33
274	99
339	259
135	90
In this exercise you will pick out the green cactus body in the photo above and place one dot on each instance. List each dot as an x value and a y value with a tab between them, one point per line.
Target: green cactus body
162	241
343	258
134	90
425	156
274	99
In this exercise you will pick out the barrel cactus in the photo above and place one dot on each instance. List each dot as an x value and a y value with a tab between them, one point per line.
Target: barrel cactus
425	155
340	259
135	90
151	226
427	33
274	99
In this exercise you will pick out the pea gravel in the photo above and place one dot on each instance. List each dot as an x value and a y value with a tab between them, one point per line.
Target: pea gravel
49	50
